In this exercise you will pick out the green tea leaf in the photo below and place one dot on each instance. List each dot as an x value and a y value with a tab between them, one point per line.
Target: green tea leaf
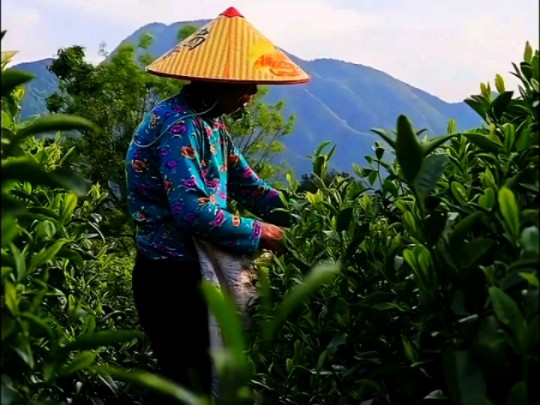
376	297
338	340
425	262
410	259
7	56
484	143
314	198
11	297
7	122
485	89
531	279
451	128
431	170
43	213
45	255
153	382
289	365
479	106
409	152
321	146
464	379
500	104
509	210
318	165
531	336
230	323
488	180
509	136
434	143
264	289
390	187
409	350
20	262
412	225
372	178
529	239
528	53
25	170
473	251
9	394
24	350
524	139
53	123
488	330
103	338
331	152
9	226
359	171
507	310
319	275
459	192
45	229
81	361
69	205
487	200
385	136
437	395
499	83
69	180
13	78
518	394
74	256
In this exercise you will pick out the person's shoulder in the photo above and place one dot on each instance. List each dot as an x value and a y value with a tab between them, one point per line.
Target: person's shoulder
164	115
173	107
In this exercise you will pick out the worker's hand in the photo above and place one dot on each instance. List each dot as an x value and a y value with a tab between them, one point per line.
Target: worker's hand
272	238
269	231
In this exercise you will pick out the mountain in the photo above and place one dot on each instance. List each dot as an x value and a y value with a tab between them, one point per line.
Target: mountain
38	89
342	103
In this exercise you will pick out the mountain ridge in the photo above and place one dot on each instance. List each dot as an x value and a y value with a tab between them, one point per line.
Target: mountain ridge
342	103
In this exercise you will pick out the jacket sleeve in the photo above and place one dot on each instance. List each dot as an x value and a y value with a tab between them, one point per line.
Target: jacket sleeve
246	187
193	208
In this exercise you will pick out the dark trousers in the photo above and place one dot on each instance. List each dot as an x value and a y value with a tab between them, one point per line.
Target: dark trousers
174	314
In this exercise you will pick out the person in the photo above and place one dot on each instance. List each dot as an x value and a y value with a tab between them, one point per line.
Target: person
182	167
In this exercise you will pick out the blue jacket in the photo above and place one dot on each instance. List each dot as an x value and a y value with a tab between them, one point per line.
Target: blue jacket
180	170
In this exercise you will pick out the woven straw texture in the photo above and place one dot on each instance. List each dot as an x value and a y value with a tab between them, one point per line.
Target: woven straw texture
228	49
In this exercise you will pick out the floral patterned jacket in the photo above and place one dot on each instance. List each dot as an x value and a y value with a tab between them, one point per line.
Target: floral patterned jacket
180	170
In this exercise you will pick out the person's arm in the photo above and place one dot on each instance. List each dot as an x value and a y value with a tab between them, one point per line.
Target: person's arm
193	208
246	187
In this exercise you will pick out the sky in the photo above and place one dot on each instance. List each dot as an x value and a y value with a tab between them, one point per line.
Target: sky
444	47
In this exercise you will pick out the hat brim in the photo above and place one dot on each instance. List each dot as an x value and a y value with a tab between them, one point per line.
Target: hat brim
220	80
228	49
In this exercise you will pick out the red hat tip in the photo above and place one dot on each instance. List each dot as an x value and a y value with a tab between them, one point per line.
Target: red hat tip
232	12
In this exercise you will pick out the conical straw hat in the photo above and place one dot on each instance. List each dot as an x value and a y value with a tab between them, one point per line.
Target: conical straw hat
228	49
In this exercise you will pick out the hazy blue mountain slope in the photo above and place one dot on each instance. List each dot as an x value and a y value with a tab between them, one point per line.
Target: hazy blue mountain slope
341	104
38	89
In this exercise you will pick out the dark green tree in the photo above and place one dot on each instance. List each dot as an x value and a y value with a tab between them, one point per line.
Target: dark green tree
117	94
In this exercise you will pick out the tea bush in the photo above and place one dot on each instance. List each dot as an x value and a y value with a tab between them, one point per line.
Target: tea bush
69	326
438	294
56	315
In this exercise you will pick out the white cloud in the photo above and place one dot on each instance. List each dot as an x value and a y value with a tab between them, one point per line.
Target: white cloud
446	47
23	32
